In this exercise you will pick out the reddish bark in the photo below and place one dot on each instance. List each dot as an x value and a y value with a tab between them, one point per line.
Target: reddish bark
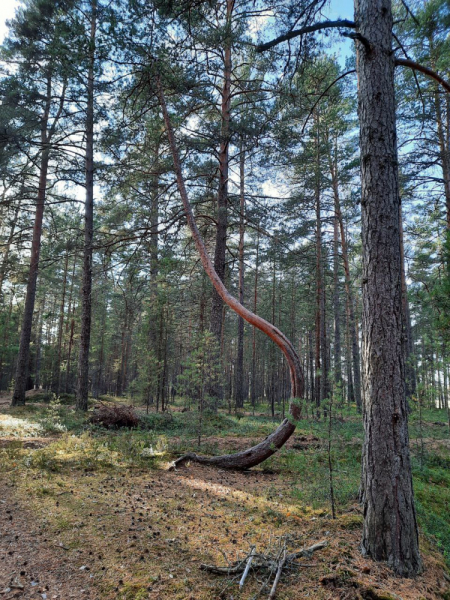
257	454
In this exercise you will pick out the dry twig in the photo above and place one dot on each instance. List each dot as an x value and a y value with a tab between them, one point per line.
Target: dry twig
270	563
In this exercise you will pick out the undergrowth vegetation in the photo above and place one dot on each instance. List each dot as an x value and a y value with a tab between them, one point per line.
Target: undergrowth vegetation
67	446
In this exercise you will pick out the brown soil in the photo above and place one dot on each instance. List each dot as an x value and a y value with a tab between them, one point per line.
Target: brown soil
33	565
144	534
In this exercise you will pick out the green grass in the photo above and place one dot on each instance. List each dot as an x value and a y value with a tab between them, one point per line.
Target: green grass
160	437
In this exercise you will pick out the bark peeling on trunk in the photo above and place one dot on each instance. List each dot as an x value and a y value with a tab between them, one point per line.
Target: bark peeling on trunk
390	528
259	453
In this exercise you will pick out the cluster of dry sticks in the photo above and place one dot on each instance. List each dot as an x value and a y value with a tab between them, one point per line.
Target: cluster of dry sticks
114	415
271	563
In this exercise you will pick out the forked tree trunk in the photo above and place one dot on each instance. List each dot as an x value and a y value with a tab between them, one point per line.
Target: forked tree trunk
257	454
390	528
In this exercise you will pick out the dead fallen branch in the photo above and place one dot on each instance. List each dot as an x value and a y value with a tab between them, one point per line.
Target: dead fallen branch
247	568
270	562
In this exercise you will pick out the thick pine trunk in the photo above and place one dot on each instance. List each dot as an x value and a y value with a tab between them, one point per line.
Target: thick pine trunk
27	319
390	528
217	304
86	294
20	385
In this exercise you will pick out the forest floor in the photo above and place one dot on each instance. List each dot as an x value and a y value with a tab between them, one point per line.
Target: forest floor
96	514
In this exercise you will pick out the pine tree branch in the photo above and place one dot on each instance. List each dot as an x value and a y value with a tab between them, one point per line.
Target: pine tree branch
308	29
406	62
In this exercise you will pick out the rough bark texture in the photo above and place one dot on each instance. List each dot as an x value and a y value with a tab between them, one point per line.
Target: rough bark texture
390	529
86	294
20	385
257	454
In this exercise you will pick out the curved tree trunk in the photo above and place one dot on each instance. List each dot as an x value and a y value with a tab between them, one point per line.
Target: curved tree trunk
257	454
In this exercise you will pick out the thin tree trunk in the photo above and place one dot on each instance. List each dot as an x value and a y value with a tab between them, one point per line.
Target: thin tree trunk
69	355
222	196
5	343
312	395
9	241
61	326
262	451
356	379
40	319
390	528
410	372
98	388
86	294
444	152
255	305
337	310
239	380
318	384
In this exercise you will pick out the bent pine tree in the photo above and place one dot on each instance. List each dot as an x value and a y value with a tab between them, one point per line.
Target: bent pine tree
259	453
